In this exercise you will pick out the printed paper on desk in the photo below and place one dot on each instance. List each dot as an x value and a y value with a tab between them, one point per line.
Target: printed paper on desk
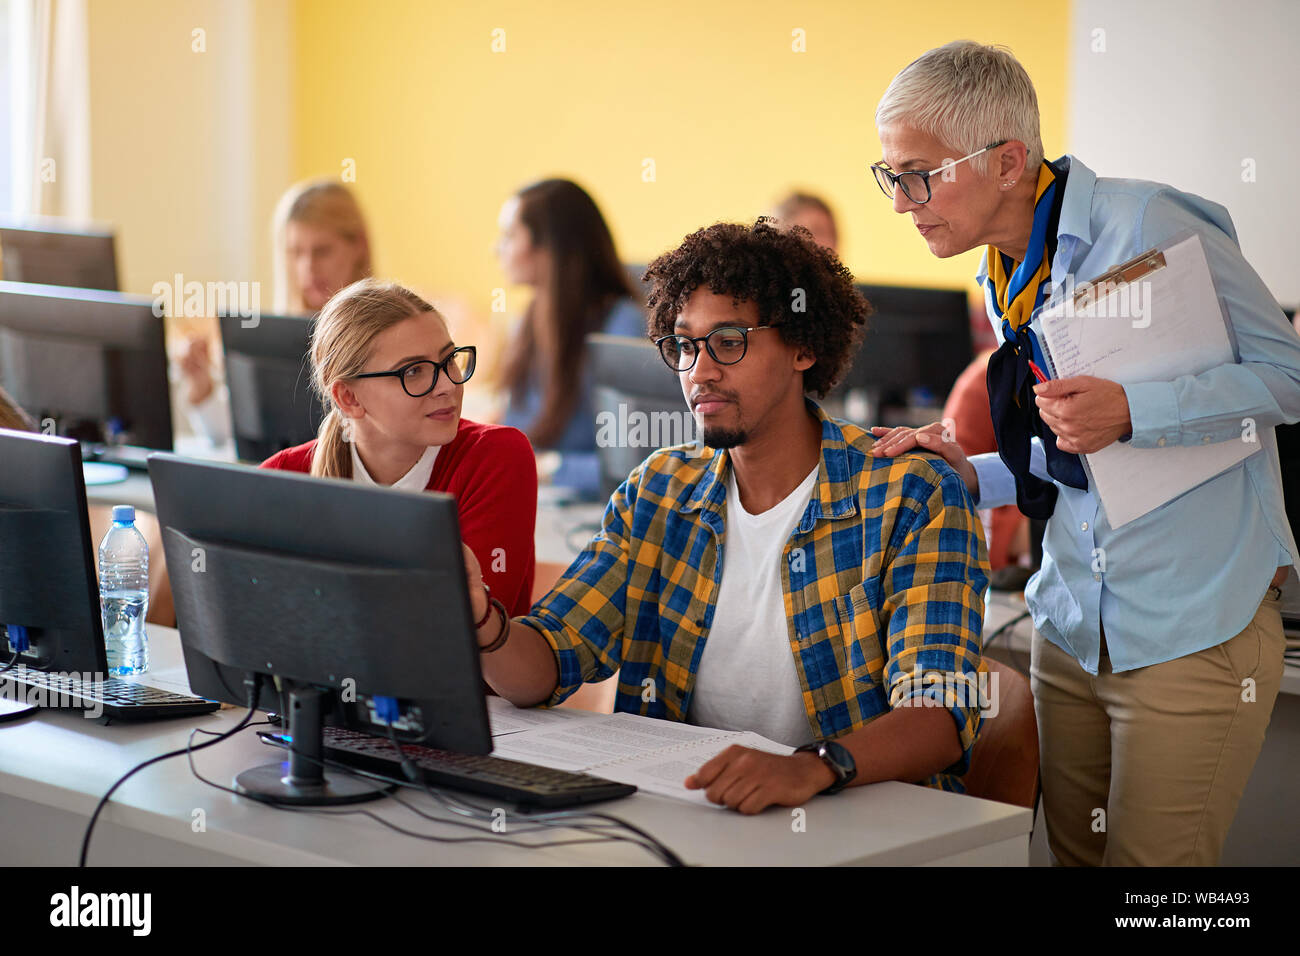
653	754
1165	323
505	718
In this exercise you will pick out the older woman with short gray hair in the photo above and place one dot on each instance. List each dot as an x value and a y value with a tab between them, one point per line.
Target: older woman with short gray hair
1155	672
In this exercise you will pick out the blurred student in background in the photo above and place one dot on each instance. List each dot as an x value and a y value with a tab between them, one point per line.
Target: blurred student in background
554	239
811	212
320	245
392	381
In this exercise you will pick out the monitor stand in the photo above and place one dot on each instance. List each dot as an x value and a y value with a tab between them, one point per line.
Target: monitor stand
14	709
302	779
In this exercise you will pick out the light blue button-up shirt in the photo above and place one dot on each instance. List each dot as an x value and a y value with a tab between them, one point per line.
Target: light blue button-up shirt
1190	574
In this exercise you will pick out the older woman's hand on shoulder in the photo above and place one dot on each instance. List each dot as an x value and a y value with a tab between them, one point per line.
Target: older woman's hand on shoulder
935	437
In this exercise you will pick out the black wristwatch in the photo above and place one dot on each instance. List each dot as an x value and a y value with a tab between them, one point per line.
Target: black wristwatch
837	757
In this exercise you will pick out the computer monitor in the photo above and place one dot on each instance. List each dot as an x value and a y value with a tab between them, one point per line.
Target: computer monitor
50	252
346	595
272	404
95	363
916	338
638	404
635	273
47	570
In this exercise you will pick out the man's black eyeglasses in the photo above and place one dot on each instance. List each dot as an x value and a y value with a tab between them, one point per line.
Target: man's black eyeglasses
916	184
726	344
418	378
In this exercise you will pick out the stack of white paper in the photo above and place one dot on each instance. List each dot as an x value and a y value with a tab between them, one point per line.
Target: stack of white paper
654	755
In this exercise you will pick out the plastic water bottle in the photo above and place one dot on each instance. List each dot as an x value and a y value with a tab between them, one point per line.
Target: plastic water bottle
124	594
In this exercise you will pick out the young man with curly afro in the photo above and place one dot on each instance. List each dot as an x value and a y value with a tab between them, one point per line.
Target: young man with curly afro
779	578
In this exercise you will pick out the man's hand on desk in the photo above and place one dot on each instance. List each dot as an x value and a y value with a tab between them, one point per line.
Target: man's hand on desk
751	780
1085	413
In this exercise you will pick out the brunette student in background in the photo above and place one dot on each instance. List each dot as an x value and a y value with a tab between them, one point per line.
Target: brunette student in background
554	239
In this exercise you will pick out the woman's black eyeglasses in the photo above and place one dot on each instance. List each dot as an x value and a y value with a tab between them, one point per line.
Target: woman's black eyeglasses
727	345
419	378
916	184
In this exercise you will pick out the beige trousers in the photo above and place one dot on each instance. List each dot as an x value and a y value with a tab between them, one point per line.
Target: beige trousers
1146	768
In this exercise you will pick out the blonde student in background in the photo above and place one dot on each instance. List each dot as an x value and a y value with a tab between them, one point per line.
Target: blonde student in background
320	245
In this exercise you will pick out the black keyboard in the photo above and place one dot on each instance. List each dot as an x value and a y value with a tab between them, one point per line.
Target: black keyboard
524	784
116	698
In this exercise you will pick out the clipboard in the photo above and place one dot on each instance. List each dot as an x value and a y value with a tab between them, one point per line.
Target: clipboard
1179	327
1139	267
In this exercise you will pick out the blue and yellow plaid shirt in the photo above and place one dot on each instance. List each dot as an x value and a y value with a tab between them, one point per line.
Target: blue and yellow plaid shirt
883	580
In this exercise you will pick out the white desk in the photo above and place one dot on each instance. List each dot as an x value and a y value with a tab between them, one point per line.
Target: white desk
55	766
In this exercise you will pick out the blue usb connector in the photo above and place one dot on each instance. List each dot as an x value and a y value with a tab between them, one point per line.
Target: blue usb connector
18	640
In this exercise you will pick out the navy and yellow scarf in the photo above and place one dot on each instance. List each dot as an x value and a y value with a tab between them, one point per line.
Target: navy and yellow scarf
1017	291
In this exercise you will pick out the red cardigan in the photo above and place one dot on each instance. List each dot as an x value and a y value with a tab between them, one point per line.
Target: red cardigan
491	472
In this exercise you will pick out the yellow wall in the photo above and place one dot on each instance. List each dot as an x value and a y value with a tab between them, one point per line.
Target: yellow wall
189	141
443	130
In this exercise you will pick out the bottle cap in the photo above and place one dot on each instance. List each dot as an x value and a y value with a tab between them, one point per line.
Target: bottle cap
124	513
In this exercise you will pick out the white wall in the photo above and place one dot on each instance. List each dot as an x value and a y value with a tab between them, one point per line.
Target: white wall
1184	92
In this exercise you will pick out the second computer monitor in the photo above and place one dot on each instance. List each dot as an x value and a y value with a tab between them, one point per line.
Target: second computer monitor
329	585
272	404
91	365
638	403
916	338
47	571
50	252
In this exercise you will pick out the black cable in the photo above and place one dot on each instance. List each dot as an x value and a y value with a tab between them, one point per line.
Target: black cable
218	733
254	695
442	798
413	774
392	826
12	661
988	642
216	669
587	528
541	821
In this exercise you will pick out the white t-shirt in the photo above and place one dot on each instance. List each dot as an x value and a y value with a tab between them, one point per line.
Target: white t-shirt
746	678
417	479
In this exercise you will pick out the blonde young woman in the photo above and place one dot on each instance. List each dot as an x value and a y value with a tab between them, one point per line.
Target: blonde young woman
393	380
320	245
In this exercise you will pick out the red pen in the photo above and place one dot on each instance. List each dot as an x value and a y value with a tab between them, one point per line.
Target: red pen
1038	372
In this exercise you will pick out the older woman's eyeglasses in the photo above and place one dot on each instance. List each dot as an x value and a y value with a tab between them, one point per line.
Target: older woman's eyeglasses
419	378
914	183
